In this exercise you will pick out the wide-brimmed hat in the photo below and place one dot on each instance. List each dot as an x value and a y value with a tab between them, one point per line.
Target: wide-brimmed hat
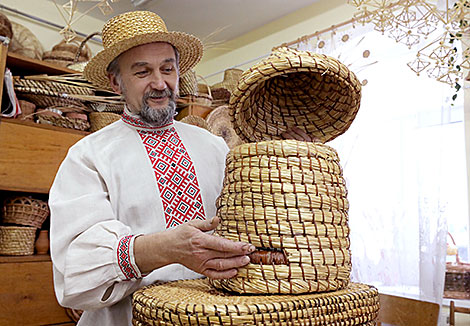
135	28
314	92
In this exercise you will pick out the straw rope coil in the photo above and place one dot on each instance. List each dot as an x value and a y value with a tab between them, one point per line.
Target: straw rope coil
291	88
17	240
289	199
195	302
64	122
25	211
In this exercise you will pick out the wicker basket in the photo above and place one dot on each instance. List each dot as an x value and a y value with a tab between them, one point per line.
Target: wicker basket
64	122
289	199
17	240
25	211
195	302
196	121
100	120
291	88
188	83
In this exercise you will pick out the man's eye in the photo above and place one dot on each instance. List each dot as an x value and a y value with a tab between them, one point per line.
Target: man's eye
168	69
141	73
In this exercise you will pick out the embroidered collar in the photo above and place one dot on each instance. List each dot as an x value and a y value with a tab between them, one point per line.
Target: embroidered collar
133	121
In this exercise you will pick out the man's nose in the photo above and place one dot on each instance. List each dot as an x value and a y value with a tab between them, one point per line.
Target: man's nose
158	82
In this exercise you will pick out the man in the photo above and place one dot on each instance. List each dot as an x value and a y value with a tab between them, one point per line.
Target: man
132	204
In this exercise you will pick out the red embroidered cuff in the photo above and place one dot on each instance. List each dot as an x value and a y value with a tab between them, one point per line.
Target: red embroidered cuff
125	258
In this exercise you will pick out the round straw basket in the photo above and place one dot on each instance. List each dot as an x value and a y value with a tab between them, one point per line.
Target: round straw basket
196	121
25	211
291	88
100	120
188	83
195	302
17	240
287	198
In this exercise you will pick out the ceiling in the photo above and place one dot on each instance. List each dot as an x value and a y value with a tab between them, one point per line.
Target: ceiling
210	20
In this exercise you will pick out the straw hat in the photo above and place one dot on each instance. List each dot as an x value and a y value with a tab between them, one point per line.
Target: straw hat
135	28
291	88
230	81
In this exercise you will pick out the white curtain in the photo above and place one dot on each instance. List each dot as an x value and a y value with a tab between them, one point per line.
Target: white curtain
404	162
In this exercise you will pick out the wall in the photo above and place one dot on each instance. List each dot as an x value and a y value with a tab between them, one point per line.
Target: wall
47	35
259	42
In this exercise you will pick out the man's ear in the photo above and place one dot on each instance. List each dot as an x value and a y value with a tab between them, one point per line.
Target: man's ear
114	83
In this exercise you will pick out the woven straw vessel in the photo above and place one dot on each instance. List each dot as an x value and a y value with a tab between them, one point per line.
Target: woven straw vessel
291	88
289	199
25	211
195	302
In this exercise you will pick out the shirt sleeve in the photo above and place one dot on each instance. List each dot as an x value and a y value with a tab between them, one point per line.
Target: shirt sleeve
92	252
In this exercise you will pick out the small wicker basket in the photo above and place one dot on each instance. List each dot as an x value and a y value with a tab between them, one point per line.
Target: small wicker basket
100	120
25	211
17	240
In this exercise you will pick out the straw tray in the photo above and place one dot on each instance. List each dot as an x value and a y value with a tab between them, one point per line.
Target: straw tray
291	88
195	302
17	240
25	211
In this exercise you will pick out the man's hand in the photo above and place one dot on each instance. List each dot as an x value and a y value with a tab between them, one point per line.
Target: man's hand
298	134
190	245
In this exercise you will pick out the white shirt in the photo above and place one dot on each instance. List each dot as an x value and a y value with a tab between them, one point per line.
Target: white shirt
104	194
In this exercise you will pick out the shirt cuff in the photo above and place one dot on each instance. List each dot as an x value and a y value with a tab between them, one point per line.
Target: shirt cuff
126	258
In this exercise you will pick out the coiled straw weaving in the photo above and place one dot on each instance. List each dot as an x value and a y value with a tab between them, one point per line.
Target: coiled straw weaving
195	302
288	198
290	88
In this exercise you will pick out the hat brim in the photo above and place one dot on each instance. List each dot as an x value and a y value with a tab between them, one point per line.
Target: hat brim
189	47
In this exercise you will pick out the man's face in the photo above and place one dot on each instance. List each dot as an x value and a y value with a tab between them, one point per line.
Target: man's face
148	79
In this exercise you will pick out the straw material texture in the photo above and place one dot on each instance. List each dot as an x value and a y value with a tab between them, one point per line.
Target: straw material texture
288	198
195	302
25	211
291	88
64	122
100	120
221	125
135	28
17	240
196	121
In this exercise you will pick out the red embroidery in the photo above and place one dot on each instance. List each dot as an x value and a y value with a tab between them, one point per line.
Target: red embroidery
175	174
124	258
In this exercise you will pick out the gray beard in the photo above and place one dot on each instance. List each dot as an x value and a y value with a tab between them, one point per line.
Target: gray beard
158	117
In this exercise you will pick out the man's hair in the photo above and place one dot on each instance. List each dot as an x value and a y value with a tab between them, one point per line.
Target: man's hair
113	67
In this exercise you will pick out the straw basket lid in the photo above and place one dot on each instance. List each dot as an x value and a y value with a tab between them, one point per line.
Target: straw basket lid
195	302
135	28
221	125
290	88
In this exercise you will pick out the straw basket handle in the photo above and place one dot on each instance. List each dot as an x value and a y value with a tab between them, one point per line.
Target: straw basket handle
205	83
82	44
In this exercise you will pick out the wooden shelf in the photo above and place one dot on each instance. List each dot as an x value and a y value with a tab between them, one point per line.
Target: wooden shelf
31	154
20	65
24	259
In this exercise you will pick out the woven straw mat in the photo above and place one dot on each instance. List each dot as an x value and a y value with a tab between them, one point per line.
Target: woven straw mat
288	198
195	302
290	88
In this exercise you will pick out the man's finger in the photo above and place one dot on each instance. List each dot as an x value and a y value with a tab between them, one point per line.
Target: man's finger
219	264
226	248
216	275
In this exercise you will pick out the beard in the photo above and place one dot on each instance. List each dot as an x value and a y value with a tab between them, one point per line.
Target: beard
156	117
162	116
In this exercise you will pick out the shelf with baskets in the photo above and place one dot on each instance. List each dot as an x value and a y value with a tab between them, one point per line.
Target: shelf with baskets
30	154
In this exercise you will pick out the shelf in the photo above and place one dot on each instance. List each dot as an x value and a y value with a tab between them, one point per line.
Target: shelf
20	65
24	259
31	154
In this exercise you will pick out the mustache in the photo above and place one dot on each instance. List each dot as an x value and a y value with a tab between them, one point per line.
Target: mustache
156	93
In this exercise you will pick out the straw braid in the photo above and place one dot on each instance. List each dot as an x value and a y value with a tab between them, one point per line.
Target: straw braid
277	215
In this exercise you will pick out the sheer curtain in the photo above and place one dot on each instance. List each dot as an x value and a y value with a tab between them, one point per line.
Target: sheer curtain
404	163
